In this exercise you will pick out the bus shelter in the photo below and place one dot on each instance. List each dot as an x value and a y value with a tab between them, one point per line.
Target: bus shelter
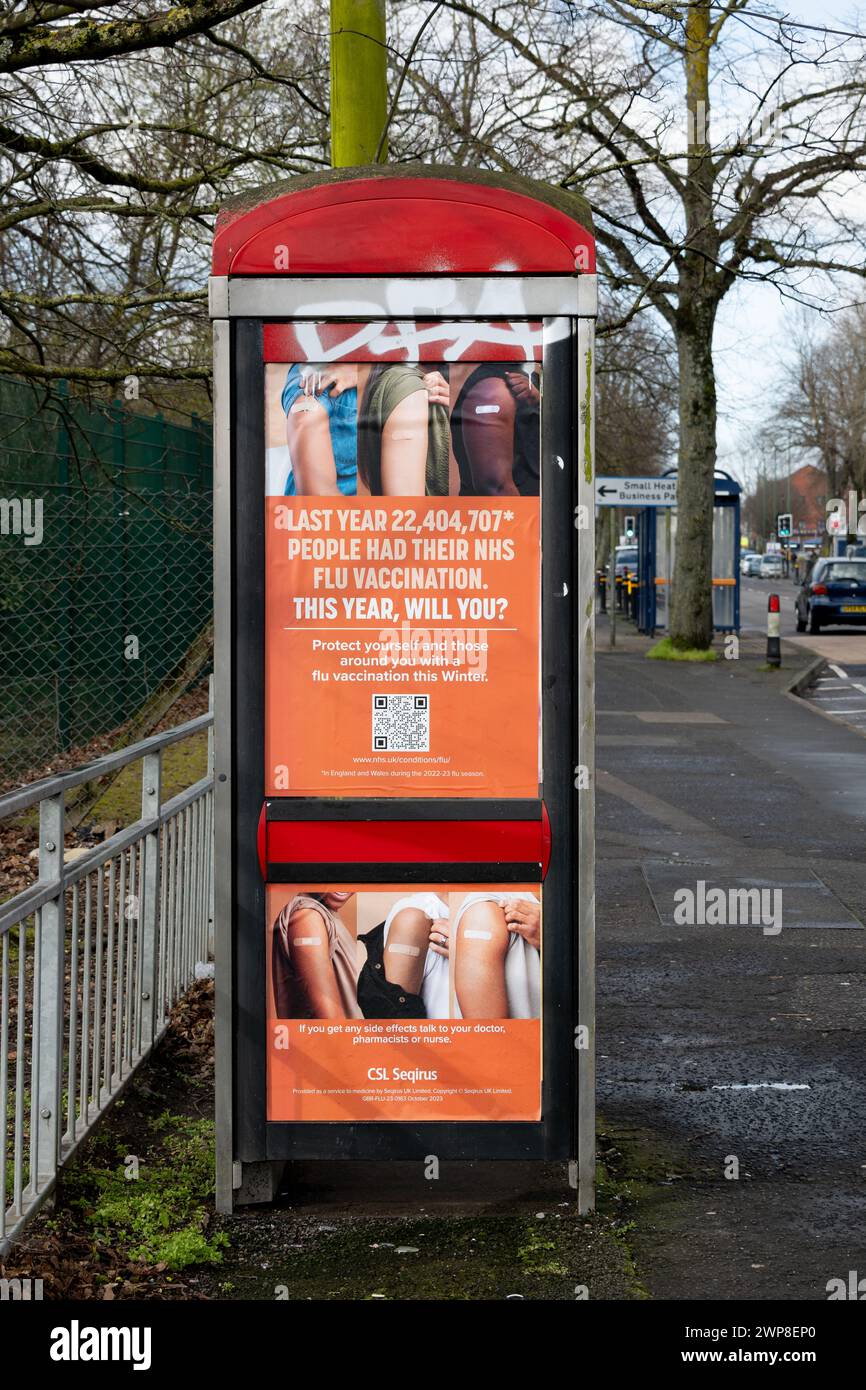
657	535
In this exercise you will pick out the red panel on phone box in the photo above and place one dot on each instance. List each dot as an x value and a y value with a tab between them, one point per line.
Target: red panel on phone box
422	341
385	222
408	842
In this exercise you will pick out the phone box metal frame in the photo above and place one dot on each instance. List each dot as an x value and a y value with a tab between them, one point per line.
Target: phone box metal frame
405	243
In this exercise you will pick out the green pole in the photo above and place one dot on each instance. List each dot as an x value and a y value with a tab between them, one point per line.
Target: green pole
359	88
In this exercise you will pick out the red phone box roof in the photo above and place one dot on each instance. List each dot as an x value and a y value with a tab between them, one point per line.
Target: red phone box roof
405	219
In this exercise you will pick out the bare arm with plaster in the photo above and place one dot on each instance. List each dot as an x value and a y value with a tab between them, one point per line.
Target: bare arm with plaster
479	977
406	949
404	447
308	436
307	941
487	420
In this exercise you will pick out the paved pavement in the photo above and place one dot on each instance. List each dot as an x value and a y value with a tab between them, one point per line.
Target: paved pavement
725	1048
845	647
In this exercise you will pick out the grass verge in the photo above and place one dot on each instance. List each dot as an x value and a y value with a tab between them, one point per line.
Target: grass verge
133	1212
666	650
154	1207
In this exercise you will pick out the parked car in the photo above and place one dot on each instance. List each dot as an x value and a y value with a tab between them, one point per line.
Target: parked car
771	567
754	566
745	557
835	592
626	560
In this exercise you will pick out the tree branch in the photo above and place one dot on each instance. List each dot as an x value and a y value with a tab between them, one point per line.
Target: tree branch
91	39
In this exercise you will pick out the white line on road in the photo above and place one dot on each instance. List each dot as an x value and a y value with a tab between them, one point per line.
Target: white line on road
833	695
764	1086
838	670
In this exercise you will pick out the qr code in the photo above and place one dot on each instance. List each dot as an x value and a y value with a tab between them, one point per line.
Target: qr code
401	723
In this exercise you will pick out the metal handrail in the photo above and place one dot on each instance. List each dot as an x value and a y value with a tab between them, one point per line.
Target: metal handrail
93	956
24	797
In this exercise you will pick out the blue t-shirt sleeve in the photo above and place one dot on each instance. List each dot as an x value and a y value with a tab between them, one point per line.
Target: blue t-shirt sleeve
294	388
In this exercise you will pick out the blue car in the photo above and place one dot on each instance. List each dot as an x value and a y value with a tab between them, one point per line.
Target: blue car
834	592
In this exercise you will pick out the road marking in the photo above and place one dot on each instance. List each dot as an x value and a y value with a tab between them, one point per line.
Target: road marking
828	710
837	695
655	716
764	1086
838	670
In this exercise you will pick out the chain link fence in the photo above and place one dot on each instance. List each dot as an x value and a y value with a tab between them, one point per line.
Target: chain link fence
106	590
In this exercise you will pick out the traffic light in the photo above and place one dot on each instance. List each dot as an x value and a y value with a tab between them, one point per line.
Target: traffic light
784	526
629	528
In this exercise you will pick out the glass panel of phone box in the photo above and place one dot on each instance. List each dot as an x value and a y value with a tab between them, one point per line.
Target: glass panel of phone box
403	625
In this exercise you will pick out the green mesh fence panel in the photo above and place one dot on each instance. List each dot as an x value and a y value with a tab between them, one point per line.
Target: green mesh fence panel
104	609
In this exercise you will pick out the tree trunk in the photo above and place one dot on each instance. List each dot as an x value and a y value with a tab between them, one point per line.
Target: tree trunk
691	622
692	607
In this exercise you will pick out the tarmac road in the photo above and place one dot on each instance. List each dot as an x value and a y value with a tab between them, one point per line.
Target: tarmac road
840	691
753	604
723	1049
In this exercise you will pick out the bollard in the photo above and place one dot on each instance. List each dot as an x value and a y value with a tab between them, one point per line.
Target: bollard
774	620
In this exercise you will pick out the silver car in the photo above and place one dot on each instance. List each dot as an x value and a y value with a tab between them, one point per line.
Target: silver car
771	567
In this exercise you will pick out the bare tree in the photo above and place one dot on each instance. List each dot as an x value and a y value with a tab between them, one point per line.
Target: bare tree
112	171
636	400
615	98
823	402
